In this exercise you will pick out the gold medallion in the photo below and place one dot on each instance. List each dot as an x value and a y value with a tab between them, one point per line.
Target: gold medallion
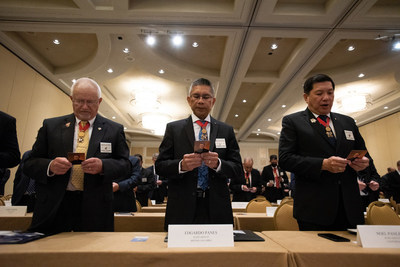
204	130
327	128
81	134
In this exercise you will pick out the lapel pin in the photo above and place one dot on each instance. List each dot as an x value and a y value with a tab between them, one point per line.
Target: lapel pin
99	128
313	120
67	124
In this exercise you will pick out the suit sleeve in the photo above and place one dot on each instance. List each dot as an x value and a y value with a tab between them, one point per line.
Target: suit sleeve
131	182
119	165
9	149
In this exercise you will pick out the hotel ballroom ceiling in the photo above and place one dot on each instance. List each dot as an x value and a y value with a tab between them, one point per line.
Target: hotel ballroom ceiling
234	40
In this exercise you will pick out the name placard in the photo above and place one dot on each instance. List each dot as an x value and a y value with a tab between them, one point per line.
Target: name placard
239	205
12	211
378	236
200	235
271	211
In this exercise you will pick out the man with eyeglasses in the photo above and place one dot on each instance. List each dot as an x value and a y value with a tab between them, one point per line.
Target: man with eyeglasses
198	192
74	161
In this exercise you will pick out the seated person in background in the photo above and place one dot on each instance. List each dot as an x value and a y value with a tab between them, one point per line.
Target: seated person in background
368	184
24	187
252	187
145	183
124	197
391	184
275	180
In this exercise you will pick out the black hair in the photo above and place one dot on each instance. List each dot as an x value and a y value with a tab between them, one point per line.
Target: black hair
309	83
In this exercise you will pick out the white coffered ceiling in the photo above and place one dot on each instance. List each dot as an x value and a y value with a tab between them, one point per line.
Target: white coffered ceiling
234	51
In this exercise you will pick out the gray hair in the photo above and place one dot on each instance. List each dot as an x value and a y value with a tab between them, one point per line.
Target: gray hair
86	80
202	81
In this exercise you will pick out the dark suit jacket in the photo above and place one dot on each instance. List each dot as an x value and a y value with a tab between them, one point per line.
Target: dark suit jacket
179	140
144	186
55	139
303	145
159	192
21	182
9	149
240	195
391	185
273	193
124	198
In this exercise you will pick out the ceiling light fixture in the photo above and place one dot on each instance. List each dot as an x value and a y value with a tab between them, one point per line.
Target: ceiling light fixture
73	80
244	101
361	75
351	48
195	44
110	70
236	115
269	120
113	117
56	41
274	46
385	107
283	106
353	103
177	40
145	101
396	45
151	40
155	122
161	71
126	50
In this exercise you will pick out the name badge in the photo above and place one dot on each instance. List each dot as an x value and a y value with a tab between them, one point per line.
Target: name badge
378	236
105	147
220	143
349	135
144	180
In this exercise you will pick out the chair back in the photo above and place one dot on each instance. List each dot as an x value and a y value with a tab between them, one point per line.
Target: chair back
283	217
286	199
138	205
380	213
395	205
258	206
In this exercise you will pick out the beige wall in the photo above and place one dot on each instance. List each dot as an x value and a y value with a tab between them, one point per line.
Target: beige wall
30	98
382	138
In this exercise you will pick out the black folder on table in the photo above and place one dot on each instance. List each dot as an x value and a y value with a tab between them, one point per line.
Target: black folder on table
18	237
248	235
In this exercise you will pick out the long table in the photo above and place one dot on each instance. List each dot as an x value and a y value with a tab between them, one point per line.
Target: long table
117	249
307	249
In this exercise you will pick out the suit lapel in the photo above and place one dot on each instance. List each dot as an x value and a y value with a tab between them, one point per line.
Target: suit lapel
339	129
190	131
317	126
99	129
213	133
68	130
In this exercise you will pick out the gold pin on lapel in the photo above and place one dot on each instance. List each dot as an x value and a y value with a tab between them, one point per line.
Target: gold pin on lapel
313	120
67	124
99	128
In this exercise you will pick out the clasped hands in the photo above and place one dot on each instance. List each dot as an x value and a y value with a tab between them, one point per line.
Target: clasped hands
61	165
194	160
337	164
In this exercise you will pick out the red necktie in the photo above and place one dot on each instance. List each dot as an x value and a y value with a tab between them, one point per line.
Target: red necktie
277	182
247	178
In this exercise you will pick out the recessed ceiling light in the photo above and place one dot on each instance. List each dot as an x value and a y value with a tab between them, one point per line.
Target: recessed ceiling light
161	71
385	107
278	133
126	50
125	128
56	41
73	80
269	120
244	101
283	106
351	48
258	134
258	130
177	40
236	115
274	46
396	45
110	70
195	44
361	75
151	40
113	117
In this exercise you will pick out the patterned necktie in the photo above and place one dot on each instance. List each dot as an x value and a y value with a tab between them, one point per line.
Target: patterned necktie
81	147
324	120
203	169
277	182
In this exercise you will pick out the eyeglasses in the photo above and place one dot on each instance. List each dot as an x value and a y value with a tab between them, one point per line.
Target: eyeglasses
81	102
197	97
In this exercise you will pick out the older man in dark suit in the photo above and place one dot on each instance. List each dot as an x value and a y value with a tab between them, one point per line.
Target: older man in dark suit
314	144
252	183
77	197
275	180
197	182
